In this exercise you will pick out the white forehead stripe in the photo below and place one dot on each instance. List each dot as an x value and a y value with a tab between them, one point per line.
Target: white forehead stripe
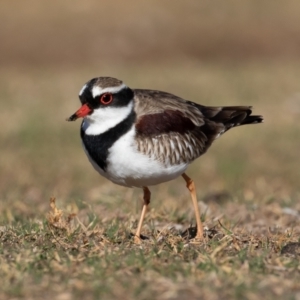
83	88
97	90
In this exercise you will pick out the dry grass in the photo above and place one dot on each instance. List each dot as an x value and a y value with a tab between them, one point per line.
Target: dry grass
65	259
247	184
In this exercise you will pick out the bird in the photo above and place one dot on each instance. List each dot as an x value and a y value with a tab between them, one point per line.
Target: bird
142	137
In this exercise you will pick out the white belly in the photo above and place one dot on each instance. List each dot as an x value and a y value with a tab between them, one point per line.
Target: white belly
128	167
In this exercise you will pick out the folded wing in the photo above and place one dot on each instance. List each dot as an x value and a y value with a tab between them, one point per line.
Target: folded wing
177	131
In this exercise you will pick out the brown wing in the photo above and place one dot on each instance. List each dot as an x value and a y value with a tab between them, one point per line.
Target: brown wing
153	102
174	130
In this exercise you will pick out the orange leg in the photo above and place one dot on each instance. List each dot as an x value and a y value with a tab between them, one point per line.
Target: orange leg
191	186
147	196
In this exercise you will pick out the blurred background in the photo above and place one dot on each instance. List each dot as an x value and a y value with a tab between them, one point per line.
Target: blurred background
211	52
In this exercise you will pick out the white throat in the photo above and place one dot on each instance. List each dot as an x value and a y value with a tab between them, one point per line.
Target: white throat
105	118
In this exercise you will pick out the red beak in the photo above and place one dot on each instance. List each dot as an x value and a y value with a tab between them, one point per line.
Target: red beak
83	111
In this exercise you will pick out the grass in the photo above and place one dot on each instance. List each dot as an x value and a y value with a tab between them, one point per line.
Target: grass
79	244
70	260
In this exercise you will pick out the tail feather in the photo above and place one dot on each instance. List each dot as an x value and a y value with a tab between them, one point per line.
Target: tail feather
230	116
218	120
252	120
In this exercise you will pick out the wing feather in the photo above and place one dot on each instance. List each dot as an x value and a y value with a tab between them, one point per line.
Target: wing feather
174	130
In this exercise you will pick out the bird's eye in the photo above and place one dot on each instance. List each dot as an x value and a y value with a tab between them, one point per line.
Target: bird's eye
106	98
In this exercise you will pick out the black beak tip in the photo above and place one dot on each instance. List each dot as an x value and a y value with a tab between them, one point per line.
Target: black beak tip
72	118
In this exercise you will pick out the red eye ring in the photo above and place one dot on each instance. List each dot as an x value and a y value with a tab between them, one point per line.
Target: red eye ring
106	98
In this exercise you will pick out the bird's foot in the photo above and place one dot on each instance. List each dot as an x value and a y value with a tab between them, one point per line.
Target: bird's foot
197	240
137	240
193	236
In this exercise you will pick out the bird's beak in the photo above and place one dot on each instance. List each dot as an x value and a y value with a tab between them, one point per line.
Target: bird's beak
83	111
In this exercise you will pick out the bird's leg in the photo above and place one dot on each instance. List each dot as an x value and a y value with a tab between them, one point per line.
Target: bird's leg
147	195
191	186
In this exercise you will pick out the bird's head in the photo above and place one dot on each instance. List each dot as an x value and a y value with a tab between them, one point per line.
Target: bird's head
104	99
